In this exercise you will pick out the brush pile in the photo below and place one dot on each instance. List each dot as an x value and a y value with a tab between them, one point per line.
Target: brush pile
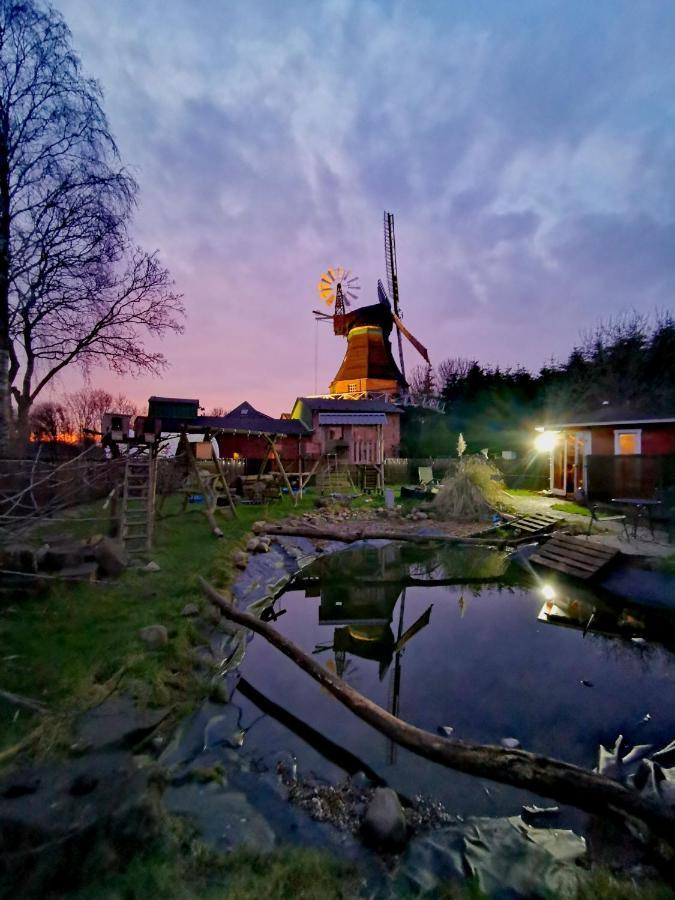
473	493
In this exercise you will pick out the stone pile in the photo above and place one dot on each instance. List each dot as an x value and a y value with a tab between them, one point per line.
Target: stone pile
26	568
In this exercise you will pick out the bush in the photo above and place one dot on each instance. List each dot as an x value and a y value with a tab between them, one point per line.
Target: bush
474	493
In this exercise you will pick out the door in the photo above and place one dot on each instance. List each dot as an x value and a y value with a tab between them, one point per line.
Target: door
582	450
569	462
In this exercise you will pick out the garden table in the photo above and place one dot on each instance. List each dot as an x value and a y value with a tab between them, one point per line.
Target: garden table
638	508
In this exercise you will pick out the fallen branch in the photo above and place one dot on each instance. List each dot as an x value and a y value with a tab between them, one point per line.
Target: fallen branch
23	702
351	533
547	777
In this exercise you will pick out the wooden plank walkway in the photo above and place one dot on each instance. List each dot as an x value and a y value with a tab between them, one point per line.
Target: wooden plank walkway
574	556
534	523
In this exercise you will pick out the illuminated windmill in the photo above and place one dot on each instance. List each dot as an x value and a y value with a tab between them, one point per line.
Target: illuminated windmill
337	287
368	365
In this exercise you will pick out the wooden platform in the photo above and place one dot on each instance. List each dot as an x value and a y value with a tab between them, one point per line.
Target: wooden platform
535	523
575	556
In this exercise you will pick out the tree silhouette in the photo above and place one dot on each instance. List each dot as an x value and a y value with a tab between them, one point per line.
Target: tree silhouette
73	287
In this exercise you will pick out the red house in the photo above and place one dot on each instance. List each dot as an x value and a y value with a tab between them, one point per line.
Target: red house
611	451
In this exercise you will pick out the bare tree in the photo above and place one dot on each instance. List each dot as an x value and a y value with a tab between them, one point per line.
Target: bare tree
217	411
124	406
50	421
454	369
73	288
87	406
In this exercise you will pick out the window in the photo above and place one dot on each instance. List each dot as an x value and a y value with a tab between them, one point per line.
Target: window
352	387
628	442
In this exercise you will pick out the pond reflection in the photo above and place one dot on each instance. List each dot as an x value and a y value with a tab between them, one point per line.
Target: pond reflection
460	639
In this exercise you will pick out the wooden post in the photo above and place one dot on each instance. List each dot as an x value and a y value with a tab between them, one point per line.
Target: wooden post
283	471
205	490
301	485
223	477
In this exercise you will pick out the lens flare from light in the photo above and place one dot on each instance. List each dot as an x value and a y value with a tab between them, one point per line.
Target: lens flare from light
545	441
548	592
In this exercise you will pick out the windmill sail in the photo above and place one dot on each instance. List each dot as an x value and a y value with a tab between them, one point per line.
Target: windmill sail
392	278
421	349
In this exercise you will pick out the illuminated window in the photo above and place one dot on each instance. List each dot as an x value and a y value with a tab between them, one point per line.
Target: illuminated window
352	387
628	443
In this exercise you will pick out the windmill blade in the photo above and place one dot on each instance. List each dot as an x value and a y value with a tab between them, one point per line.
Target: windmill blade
382	294
421	349
421	623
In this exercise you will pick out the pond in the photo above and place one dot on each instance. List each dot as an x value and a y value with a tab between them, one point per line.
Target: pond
459	638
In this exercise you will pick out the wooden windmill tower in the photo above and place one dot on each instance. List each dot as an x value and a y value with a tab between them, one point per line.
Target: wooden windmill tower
368	366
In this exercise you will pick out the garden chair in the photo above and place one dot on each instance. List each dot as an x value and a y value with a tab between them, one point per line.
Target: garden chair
617	518
426	476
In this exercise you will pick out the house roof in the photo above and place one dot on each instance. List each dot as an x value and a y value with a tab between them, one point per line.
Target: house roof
614	414
246	418
173	400
331	404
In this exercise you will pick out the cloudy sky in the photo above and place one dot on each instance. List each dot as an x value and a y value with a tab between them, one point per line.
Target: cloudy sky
526	147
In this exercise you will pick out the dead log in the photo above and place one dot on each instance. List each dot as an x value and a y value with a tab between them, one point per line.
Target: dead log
353	533
558	780
23	702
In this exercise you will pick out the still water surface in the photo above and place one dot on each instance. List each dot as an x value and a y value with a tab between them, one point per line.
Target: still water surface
473	656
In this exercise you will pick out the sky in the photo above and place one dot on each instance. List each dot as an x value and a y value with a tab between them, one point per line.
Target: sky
526	148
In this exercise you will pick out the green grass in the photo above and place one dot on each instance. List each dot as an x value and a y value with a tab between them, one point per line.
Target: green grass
287	874
574	509
69	646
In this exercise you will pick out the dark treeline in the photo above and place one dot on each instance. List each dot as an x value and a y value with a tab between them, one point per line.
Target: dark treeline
625	362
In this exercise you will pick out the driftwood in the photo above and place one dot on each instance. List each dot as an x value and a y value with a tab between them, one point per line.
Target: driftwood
561	781
23	702
349	534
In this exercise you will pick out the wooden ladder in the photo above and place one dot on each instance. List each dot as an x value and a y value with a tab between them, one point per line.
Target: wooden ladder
370	479
138	503
332	480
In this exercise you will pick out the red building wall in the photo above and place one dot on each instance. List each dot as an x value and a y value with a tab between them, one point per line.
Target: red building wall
657	440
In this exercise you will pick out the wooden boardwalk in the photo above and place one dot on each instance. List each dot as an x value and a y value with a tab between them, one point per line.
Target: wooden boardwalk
574	556
535	523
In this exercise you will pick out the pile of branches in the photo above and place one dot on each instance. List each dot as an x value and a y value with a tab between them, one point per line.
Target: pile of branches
34	495
473	493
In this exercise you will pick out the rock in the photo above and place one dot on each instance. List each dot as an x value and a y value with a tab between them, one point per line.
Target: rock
67	556
218	692
360	780
111	556
190	610
259	527
115	724
18	558
202	657
154	636
258	545
151	567
240	559
510	743
85	818
384	824
446	730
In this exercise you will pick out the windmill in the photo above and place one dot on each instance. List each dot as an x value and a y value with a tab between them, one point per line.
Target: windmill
369	366
338	288
392	298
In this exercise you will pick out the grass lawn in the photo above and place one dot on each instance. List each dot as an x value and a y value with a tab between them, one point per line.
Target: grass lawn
566	506
69	646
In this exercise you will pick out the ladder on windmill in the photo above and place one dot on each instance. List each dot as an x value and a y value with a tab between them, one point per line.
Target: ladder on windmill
138	503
